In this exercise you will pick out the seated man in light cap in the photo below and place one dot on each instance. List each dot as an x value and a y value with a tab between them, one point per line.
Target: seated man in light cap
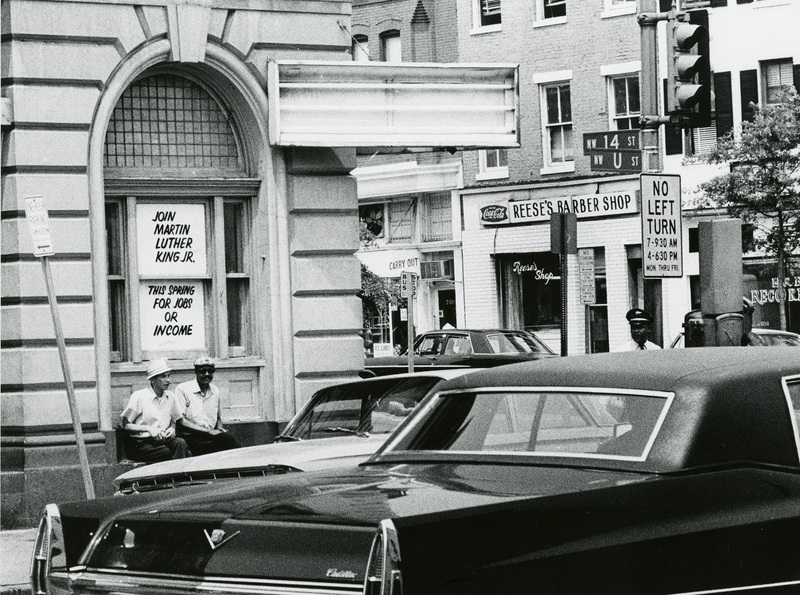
201	425
150	418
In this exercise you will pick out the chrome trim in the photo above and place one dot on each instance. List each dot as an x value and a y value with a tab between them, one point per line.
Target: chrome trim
48	550
740	589
421	414
389	556
785	382
96	581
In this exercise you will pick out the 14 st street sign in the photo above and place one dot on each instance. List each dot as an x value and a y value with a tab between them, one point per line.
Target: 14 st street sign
614	151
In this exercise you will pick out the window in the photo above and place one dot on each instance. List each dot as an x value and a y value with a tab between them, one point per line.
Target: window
624	106
492	164
607	424
557	126
179	263
425	218
551	11
401	221
372	219
436	217
360	48
615	8
597	328
776	77
487	13
390	46
530	291
171	273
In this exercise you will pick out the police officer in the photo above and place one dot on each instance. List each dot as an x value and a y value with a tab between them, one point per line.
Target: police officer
641	322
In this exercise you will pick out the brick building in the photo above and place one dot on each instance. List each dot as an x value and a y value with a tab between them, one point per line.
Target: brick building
579	73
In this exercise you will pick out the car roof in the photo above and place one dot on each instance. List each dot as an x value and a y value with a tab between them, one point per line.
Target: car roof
730	403
656	369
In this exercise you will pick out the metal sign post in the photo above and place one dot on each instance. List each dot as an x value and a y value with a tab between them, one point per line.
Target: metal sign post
408	289
38	222
563	241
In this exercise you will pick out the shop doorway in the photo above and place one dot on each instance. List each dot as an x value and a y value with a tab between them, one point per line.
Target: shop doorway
447	307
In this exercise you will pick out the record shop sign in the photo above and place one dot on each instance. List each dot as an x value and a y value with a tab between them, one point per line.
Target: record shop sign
515	212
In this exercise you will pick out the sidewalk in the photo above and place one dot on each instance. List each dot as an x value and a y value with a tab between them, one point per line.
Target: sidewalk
16	547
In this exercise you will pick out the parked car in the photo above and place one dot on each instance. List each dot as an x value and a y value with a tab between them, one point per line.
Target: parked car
669	471
340	424
462	348
768	338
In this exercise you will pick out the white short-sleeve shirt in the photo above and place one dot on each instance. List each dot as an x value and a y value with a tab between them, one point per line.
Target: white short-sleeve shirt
145	409
198	408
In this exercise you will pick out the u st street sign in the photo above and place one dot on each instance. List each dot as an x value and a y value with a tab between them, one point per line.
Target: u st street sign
614	151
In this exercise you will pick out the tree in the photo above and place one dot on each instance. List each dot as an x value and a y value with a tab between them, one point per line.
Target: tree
763	185
377	294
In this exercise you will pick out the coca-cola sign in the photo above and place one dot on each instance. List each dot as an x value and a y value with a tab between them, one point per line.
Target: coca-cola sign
494	214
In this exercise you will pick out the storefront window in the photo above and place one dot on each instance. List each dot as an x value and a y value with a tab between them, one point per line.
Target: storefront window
762	286
530	291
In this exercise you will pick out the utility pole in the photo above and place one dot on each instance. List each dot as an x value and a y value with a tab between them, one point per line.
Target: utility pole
650	121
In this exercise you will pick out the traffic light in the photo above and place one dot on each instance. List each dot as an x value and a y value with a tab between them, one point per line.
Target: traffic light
689	69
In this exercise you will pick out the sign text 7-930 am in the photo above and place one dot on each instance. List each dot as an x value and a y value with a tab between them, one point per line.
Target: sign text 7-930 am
662	236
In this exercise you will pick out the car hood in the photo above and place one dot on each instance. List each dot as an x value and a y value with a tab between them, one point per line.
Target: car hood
309	526
307	455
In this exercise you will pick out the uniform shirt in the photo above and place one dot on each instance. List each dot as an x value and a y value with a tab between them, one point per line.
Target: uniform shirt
634	346
145	409
200	409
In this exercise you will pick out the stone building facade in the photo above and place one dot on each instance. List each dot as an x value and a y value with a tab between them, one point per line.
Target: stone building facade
178	230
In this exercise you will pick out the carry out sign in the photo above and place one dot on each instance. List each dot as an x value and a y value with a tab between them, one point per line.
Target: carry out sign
662	236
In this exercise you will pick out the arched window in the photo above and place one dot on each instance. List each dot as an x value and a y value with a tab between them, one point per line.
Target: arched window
177	224
360	48
169	122
390	46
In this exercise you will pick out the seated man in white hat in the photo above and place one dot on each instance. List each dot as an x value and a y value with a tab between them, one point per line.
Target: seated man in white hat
201	425
150	419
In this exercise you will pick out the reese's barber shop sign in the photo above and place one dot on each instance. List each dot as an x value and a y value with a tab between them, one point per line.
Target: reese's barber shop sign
515	212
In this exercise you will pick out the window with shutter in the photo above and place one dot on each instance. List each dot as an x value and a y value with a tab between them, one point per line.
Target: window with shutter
776	77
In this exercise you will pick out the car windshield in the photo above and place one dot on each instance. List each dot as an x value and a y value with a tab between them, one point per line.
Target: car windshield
614	425
515	343
360	408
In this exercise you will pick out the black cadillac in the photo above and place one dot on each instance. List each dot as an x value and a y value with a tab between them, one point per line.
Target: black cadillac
675	471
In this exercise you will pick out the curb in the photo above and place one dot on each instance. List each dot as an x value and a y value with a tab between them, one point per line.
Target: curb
16	590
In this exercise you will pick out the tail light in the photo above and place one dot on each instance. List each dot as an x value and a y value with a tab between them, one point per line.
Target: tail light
383	569
48	551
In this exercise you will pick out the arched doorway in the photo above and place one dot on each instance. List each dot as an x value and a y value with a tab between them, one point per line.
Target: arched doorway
181	206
